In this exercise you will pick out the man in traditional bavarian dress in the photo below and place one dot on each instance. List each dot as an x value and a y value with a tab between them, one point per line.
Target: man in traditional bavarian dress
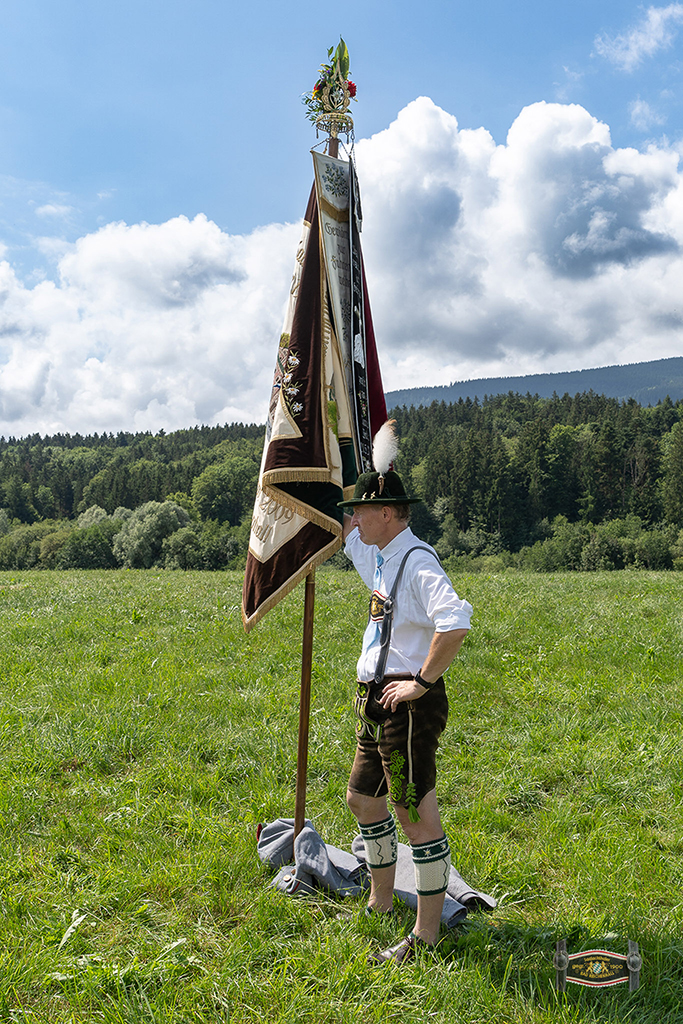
401	702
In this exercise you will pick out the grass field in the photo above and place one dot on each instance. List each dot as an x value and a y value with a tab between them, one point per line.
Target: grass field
143	736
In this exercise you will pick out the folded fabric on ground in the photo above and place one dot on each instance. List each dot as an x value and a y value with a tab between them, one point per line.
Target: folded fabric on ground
320	866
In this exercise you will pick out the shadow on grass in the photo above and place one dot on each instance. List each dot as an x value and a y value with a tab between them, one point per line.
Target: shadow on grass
517	957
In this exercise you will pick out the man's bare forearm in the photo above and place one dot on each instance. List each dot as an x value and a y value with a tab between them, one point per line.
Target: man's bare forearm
442	650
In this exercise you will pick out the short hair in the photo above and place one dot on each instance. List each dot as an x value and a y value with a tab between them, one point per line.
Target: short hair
402	512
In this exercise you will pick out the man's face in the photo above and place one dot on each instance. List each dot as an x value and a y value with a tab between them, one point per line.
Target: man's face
373	523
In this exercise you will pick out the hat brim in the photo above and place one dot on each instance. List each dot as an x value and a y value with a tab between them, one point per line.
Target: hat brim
355	502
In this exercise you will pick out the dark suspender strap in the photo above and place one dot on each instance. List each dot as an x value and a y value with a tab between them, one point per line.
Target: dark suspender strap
388	618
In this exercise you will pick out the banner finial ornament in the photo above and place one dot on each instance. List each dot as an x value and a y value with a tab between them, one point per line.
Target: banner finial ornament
329	100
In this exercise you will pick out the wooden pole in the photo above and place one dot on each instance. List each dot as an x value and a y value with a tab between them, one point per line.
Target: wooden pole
304	704
306	668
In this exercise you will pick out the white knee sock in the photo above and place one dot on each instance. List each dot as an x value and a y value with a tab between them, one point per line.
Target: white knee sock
381	843
432	862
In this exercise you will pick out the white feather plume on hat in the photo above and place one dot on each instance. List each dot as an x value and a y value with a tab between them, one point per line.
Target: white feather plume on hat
384	449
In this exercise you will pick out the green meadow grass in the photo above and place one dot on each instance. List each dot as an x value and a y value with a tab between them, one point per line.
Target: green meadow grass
143	736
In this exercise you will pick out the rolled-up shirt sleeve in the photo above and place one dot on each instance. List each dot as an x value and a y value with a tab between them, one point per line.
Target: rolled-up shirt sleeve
441	603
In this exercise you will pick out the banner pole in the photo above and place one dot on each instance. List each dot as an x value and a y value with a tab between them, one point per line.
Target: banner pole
306	666
304	704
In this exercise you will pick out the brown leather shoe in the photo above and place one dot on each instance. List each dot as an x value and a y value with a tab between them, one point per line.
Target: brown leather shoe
403	953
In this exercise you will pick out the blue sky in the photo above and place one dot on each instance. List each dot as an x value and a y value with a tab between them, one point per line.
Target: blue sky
148	139
144	110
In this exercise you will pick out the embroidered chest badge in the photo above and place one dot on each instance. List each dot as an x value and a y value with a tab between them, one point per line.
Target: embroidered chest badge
377	606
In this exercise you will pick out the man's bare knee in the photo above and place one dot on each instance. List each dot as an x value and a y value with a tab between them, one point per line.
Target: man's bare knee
366	809
428	827
353	801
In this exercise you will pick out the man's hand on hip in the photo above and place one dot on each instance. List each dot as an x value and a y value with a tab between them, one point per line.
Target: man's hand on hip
398	690
442	650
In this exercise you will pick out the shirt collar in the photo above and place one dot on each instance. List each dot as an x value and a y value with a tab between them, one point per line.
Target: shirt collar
398	544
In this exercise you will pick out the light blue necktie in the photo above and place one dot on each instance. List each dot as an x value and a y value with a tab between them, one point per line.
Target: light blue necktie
377	585
377	578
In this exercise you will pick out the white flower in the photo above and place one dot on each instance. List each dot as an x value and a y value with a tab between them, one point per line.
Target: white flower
297	406
293	361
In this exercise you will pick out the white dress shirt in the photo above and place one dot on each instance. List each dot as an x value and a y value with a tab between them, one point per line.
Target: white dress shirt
425	602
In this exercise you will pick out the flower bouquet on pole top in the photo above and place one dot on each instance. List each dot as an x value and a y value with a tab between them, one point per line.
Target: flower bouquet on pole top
329	100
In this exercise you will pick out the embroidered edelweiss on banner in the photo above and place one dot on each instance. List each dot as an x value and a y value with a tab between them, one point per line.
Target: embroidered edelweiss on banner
335	181
284	378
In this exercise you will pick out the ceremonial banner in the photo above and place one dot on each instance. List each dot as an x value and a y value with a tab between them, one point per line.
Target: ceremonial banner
327	399
340	225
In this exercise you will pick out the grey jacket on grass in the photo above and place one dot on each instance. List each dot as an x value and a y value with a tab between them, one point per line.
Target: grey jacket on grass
319	866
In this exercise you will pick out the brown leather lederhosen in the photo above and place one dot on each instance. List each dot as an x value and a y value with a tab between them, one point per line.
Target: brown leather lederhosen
396	752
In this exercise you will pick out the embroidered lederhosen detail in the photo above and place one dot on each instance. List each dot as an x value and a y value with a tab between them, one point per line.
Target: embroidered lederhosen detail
397	763
370	715
396	766
366	728
410	785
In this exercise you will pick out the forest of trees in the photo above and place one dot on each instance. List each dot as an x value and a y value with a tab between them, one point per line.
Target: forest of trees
573	482
583	482
181	500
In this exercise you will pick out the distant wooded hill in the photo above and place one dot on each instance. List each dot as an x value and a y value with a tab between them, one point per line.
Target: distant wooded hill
580	481
648	383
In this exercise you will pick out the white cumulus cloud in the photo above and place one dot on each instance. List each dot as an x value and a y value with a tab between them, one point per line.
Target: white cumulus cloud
149	326
655	31
552	251
547	253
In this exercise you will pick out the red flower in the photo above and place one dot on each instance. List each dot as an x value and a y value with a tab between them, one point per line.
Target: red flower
318	87
352	89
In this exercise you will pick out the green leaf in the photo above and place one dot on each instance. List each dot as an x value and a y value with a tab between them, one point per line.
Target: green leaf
342	55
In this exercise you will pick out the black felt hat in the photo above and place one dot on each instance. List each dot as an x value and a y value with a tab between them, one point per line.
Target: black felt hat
375	489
